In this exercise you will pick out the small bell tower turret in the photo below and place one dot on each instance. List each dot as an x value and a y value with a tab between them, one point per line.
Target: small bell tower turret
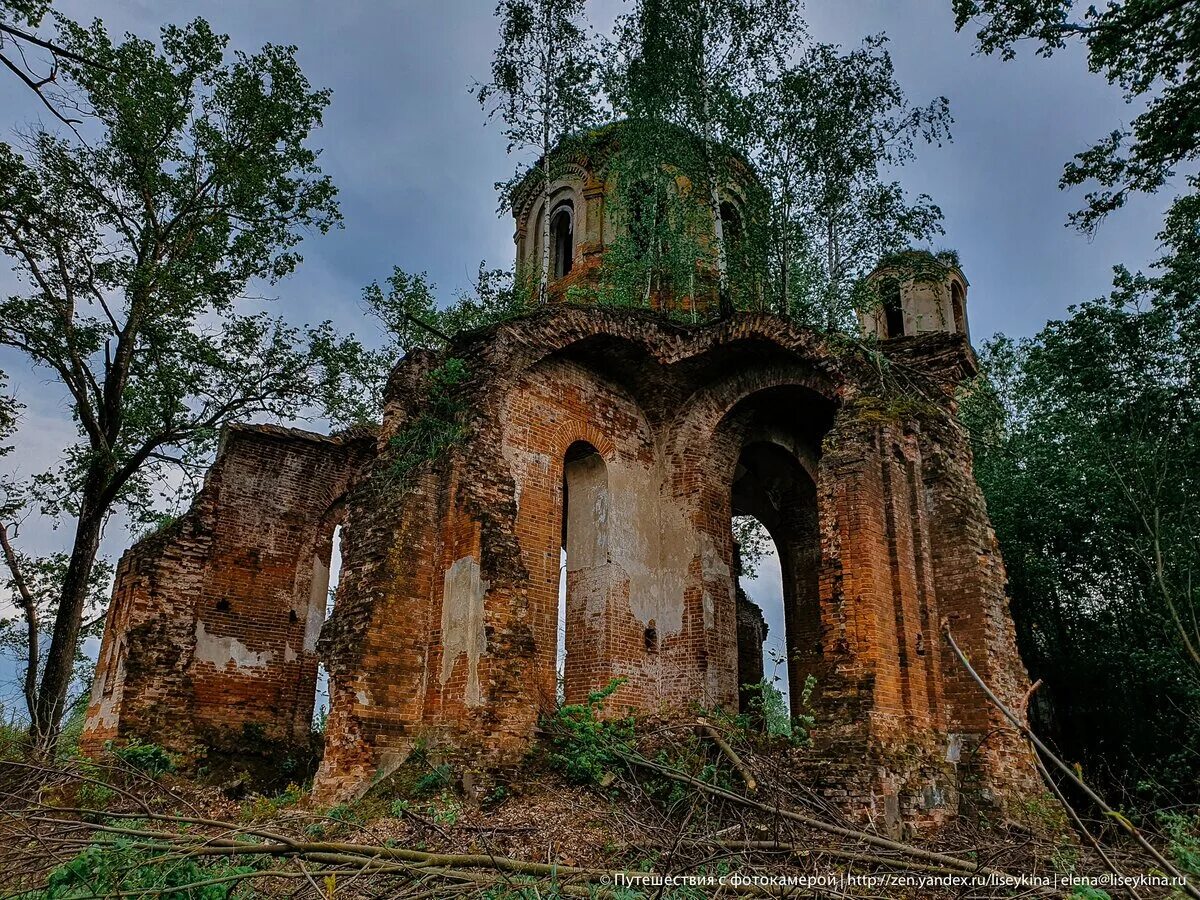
917	292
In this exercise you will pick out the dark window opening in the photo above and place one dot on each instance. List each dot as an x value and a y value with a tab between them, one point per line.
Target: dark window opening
958	308
731	223
892	309
562	240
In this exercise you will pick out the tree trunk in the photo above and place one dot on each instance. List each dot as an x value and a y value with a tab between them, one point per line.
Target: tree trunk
714	195
547	88
60	658
784	239
29	609
545	291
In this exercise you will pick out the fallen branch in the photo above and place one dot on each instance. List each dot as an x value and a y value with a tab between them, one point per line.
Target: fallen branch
734	760
1188	888
943	859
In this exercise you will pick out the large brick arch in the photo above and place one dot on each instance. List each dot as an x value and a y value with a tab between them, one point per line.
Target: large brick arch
557	404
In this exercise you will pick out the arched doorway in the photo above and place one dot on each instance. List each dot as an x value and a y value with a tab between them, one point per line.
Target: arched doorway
772	486
584	573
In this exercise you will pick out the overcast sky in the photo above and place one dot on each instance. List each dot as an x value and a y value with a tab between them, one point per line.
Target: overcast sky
407	146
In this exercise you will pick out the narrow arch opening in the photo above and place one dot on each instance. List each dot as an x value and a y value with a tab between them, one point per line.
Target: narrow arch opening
958	307
771	486
583	573
562	239
325	585
893	310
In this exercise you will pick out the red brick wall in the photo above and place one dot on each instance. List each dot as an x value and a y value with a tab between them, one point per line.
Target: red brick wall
446	617
213	623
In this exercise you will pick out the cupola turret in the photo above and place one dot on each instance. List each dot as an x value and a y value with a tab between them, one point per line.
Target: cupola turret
916	292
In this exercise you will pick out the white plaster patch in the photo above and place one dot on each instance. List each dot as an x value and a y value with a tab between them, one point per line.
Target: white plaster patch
362	698
462	623
105	715
289	655
711	563
525	466
224	651
712	568
318	600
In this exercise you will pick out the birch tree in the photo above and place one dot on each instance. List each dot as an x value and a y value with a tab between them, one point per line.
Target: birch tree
543	86
833	126
698	64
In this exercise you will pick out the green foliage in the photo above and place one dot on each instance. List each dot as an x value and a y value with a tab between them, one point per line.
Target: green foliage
436	779
135	237
156	524
407	307
147	758
768	711
688	74
583	743
14	739
543	85
835	125
23	12
94	793
443	810
44	576
261	808
708	90
753	543
1087	446
437	428
114	865
1147	47
662	216
1184	834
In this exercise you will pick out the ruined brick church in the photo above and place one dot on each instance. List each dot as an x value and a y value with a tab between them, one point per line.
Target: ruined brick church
628	439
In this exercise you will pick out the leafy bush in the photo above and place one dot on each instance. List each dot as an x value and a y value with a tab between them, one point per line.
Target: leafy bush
768	712
266	807
14	739
149	759
436	779
1184	834
114	866
584	745
67	745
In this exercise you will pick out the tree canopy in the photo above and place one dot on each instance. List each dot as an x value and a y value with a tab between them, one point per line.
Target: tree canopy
1149	48
135	244
1087	445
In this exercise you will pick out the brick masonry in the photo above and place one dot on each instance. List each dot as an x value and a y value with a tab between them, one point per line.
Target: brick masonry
631	442
213	625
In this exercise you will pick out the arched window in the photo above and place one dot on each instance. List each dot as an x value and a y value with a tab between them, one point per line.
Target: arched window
893	311
562	240
731	223
958	307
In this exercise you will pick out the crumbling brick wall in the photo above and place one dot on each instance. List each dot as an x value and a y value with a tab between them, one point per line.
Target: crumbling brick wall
446	626
629	443
212	631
